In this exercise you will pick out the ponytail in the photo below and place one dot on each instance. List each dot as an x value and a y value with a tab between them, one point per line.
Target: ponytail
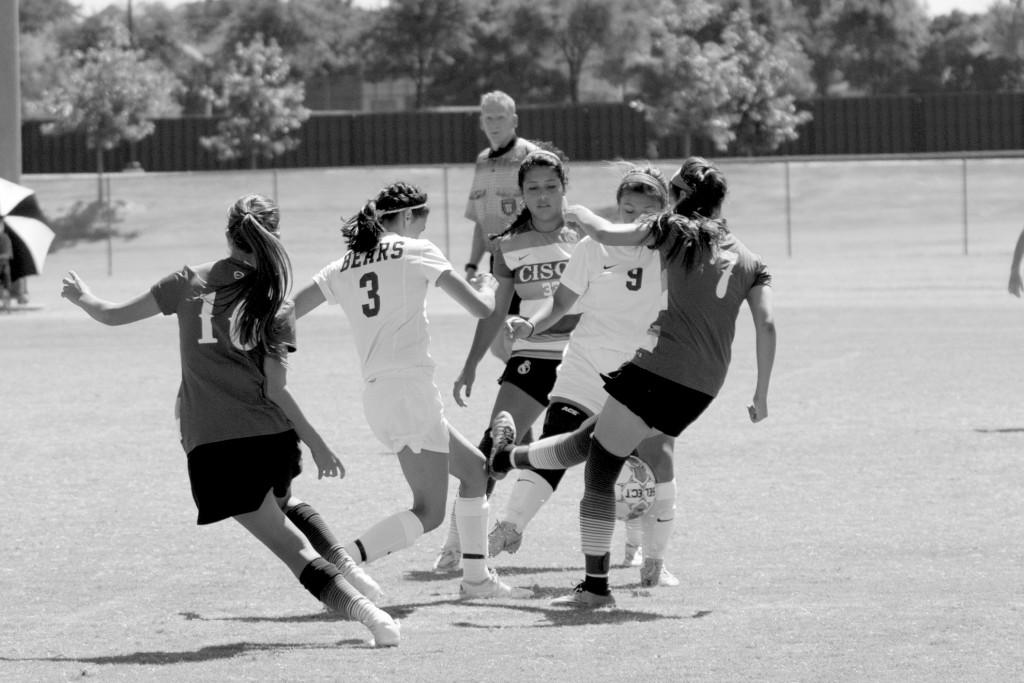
362	231
252	227
694	240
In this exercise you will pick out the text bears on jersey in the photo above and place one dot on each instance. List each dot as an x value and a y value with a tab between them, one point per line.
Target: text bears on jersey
385	251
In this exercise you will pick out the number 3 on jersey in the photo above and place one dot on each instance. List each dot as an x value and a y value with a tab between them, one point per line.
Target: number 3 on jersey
371	284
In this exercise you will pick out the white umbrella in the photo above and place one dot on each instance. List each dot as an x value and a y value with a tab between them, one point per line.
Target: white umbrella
26	225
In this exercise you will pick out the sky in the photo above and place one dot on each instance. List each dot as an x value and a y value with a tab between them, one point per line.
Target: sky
935	7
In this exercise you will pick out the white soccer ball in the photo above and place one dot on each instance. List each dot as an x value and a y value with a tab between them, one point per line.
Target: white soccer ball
634	489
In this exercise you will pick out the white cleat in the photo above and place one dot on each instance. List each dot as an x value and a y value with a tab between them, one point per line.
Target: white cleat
387	632
653	573
491	587
448	560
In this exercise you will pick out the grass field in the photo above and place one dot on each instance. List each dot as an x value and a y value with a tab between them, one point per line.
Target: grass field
870	529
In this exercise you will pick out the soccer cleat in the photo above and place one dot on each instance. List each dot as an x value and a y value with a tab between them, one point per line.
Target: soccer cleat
634	556
448	560
504	536
363	583
653	573
387	632
503	433
581	598
491	587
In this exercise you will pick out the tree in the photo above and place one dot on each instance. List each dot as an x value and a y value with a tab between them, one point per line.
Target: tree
579	28
415	39
764	83
109	93
506	48
877	42
260	104
737	88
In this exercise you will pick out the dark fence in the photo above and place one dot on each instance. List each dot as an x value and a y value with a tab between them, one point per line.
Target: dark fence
589	132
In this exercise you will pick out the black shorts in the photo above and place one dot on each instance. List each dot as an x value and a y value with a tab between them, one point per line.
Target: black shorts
663	404
535	376
232	477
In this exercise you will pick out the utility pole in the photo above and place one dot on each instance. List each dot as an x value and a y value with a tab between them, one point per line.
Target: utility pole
10	86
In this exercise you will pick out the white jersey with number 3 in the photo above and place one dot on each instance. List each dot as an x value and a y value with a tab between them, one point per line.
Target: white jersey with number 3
383	294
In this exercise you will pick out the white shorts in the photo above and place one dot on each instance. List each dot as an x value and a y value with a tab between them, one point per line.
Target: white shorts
579	375
406	411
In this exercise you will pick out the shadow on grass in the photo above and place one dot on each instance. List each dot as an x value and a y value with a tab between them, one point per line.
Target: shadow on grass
203	654
424	575
88	222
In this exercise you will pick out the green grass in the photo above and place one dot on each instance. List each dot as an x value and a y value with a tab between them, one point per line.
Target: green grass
870	529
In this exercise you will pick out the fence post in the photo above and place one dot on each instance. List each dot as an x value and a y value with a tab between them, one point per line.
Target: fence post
963	182
789	216
447	224
108	210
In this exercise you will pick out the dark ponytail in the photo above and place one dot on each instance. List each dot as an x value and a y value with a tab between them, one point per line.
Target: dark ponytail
694	241
701	186
362	231
253	228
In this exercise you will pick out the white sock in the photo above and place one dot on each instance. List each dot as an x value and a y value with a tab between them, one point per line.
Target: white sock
398	531
472	515
660	520
530	492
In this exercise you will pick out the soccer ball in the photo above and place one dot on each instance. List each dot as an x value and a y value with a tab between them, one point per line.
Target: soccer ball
634	489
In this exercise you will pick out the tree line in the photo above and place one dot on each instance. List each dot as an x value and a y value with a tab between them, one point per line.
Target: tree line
732	71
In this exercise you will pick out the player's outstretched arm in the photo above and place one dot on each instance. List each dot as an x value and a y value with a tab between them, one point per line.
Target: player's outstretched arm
486	330
327	463
476	294
77	292
308	298
603	230
760	301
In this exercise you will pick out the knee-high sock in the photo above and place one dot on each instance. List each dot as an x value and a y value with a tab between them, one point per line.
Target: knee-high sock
314	527
556	452
398	531
660	520
324	581
529	494
472	515
597	513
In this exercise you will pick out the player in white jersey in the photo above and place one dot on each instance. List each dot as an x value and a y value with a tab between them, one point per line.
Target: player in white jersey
381	283
617	291
529	260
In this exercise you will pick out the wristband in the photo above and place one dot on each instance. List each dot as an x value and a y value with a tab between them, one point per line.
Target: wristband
473	266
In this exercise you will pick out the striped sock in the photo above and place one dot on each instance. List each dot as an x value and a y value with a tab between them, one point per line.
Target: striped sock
597	514
323	540
324	581
557	452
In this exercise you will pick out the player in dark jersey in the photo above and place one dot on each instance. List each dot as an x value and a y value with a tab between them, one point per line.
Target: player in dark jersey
240	425
667	386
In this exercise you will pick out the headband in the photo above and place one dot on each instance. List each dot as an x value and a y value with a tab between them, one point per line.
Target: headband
378	214
645	179
678	182
543	153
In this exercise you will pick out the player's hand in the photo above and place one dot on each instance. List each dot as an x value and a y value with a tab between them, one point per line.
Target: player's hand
484	282
1016	286
73	288
327	464
518	328
578	216
464	381
758	409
